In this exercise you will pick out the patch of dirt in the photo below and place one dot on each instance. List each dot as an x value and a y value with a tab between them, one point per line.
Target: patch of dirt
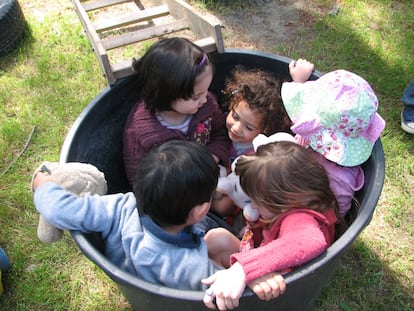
264	25
267	25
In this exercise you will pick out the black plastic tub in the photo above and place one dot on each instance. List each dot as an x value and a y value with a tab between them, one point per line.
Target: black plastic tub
96	137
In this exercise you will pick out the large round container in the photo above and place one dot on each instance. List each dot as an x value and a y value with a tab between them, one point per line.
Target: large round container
96	137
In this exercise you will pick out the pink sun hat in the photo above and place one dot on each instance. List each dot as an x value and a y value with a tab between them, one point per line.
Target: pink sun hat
336	115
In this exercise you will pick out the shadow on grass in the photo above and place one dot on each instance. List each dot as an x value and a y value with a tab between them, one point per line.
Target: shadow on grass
364	282
23	46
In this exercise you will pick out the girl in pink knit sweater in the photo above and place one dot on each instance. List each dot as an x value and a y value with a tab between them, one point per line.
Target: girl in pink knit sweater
298	215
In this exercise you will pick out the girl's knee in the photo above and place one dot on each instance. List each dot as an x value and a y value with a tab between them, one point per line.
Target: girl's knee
221	244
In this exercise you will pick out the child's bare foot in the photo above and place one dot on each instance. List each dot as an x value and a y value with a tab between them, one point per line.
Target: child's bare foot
300	70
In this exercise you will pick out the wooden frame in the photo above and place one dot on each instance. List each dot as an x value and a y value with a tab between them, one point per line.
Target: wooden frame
184	18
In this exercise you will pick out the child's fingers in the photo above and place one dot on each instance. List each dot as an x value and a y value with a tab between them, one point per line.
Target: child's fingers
39	179
292	64
263	291
210	280
282	284
208	299
278	285
227	303
269	286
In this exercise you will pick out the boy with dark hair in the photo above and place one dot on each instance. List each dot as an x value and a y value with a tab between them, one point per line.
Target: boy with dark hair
156	241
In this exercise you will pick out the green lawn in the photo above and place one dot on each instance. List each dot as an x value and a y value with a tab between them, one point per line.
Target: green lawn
52	75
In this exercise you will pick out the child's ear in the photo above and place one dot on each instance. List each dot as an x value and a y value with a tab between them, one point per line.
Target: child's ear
198	213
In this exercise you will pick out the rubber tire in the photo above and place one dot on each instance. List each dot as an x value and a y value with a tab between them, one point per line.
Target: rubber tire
12	25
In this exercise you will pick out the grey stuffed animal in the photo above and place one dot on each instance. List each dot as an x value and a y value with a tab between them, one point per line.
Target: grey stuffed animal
78	178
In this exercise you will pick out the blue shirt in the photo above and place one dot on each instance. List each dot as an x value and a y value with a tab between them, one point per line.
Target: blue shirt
133	243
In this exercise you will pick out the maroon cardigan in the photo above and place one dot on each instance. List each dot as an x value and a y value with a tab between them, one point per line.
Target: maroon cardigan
143	131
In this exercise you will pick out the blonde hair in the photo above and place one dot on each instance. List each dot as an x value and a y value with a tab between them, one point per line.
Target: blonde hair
283	176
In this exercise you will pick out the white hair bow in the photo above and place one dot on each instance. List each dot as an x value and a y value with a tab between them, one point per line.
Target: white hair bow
262	139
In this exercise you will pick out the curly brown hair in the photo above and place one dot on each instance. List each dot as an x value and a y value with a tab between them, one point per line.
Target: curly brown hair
261	91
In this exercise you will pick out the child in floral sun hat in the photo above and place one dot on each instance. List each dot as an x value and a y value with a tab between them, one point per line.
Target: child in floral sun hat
336	116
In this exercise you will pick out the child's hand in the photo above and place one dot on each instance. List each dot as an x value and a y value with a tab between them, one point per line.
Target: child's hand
226	287
269	286
40	178
300	70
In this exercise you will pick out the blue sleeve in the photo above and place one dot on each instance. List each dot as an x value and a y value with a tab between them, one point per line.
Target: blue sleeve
90	213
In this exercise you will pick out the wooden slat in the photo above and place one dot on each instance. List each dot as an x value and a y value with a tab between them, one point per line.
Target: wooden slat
141	16
198	24
99	4
185	18
219	38
124	68
139	4
207	44
144	34
96	43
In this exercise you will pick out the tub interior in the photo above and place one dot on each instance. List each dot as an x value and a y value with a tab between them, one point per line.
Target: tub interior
96	138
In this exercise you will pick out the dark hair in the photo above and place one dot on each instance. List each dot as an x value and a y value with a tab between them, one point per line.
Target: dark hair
172	179
283	176
261	91
168	70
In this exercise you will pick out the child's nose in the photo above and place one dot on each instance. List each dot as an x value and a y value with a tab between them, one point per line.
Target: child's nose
203	99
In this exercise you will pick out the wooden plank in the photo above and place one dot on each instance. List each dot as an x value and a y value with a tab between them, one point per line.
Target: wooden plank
219	39
144	34
198	24
141	16
207	44
139	4
95	40
124	68
107	69
186	18
99	4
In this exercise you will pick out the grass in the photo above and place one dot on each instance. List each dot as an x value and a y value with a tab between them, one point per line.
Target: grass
52	75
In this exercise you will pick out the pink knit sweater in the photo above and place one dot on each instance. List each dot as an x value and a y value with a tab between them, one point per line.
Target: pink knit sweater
295	238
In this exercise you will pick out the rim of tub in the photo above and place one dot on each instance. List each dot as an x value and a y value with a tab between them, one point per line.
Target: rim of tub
360	217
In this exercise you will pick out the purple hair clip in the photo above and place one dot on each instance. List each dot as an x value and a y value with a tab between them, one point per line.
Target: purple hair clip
202	61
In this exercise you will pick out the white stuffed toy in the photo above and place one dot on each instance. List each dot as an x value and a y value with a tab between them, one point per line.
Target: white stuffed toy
78	178
230	184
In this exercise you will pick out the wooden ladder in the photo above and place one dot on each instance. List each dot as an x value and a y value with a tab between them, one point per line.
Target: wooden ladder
184	17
